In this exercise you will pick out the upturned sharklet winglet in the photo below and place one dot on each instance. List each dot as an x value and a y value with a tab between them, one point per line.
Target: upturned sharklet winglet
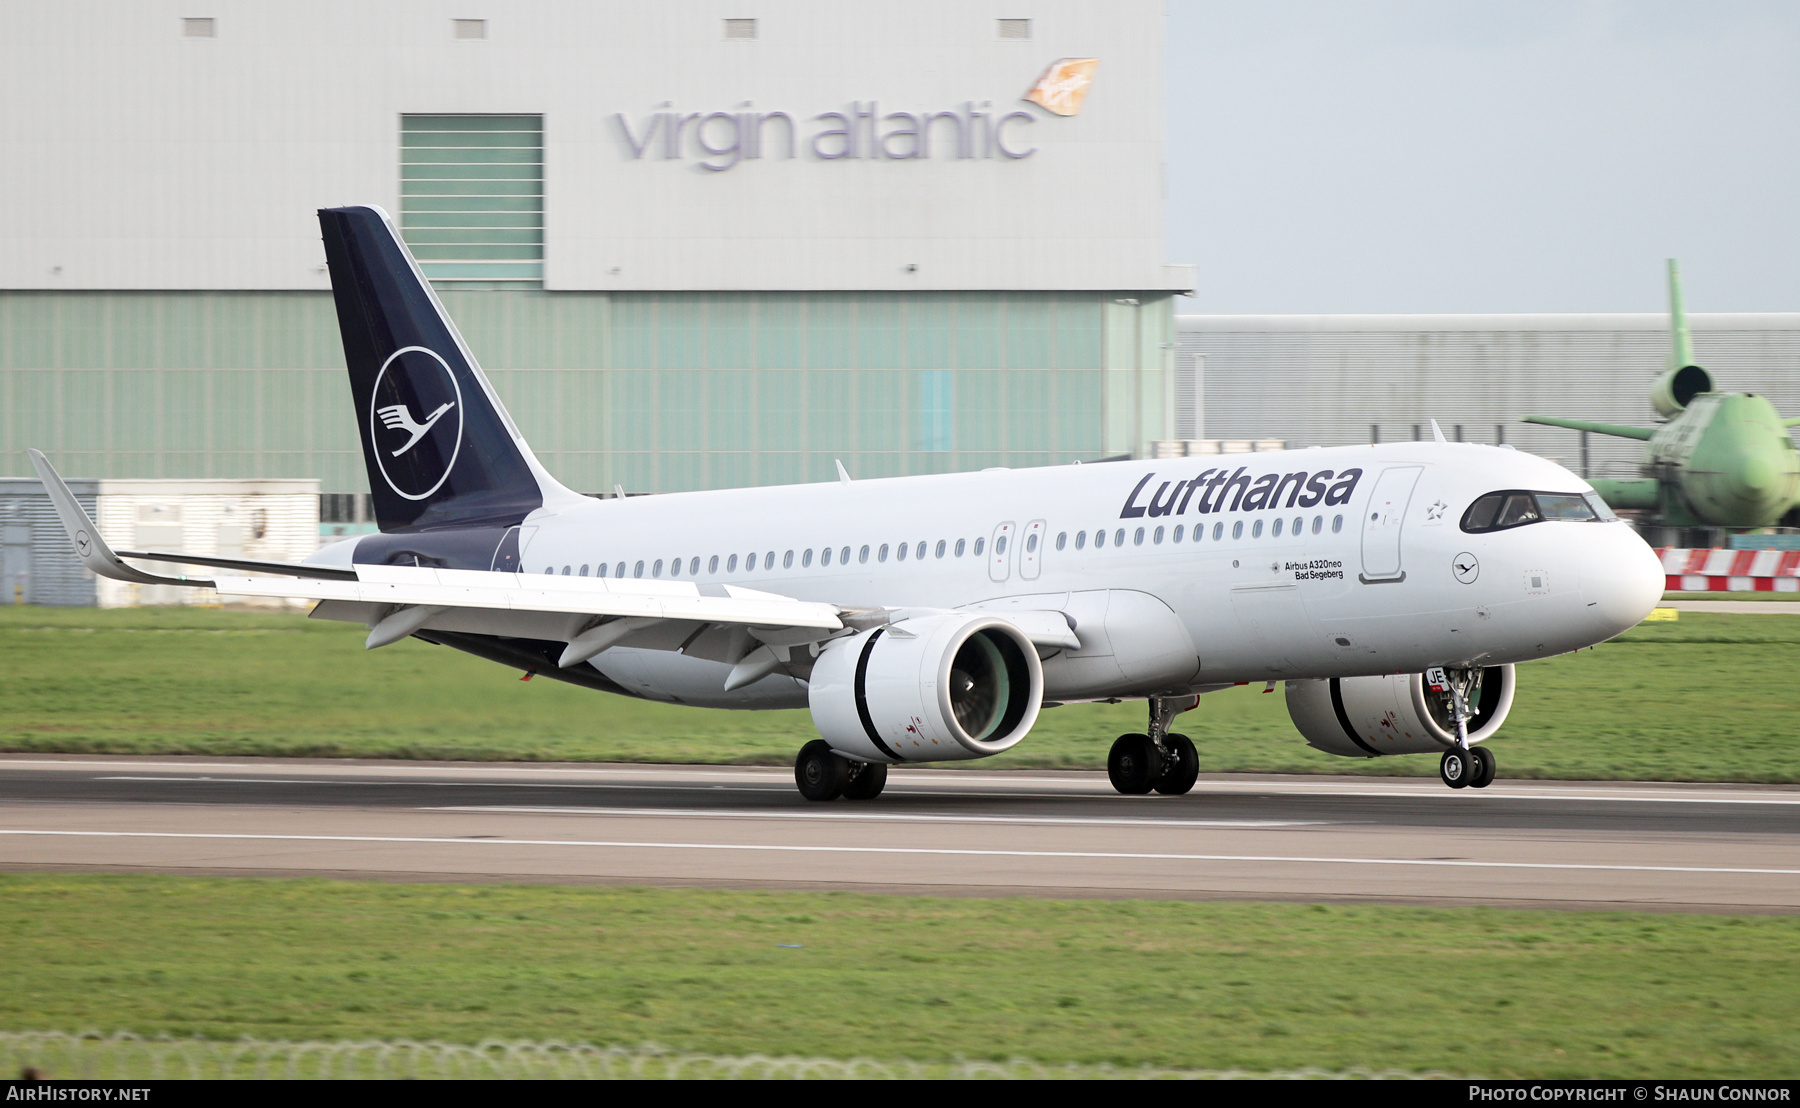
89	546
1614	429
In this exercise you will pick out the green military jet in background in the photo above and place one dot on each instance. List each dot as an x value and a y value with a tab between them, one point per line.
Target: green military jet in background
1721	459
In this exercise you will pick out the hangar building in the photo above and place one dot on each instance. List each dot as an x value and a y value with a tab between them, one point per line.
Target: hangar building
695	245
1326	380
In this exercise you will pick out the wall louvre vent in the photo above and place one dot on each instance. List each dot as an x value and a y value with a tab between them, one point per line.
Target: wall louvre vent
199	28
740	28
472	198
469	28
1015	28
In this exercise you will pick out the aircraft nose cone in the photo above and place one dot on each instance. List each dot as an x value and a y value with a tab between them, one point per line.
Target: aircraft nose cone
1756	475
1621	578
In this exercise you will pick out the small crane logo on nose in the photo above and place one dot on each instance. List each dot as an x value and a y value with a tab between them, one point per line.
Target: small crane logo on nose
1466	568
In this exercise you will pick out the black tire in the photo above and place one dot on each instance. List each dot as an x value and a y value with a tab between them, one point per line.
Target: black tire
867	779
1133	764
1485	765
1181	768
1456	769
820	774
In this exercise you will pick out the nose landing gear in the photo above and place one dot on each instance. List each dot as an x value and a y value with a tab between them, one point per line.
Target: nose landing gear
1463	766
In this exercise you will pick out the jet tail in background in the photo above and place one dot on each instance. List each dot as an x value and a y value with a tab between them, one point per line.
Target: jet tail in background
440	448
1681	348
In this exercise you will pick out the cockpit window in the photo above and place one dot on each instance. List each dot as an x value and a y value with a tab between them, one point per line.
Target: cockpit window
1520	508
1497	511
1564	506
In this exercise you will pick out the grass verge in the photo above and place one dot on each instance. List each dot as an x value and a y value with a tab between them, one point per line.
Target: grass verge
1706	698
1209	986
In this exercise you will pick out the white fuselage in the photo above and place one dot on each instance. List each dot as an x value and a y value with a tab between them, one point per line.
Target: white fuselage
1340	578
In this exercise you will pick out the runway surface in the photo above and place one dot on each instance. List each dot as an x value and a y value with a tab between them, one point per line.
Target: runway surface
1671	847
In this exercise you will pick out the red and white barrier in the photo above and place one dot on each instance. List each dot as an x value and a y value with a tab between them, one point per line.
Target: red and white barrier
1731	570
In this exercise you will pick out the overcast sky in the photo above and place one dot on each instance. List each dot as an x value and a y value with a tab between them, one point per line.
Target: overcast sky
1525	156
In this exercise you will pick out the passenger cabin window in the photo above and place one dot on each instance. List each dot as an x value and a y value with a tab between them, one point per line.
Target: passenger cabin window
1080	539
980	545
825	556
844	556
1499	511
940	548
619	572
806	559
959	547
1062	538
1179	528
712	564
920	552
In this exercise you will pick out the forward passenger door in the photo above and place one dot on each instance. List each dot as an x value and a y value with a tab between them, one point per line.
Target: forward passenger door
1382	523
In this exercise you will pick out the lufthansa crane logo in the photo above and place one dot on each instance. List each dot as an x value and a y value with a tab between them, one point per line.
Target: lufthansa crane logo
1465	567
416	421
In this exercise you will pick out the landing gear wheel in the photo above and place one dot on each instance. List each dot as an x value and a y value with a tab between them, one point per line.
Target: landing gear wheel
1456	769
820	774
1181	767
1133	764
1483	774
867	779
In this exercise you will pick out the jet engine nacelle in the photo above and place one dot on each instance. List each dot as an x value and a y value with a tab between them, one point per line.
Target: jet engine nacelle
931	689
1363	717
1676	389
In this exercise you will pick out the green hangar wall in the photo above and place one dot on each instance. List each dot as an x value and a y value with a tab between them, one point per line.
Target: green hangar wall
654	391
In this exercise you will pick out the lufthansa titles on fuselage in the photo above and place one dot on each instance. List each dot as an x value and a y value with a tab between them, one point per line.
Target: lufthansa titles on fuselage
1246	493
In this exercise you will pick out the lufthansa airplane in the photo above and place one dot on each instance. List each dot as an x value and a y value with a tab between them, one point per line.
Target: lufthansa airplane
1392	588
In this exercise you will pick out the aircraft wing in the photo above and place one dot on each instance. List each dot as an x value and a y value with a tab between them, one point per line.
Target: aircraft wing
753	631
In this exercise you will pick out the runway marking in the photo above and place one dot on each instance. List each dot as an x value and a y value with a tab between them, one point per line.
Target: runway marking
1447	863
916	787
878	817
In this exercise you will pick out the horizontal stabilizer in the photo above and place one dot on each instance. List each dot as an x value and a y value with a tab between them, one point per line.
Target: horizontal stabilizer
1614	429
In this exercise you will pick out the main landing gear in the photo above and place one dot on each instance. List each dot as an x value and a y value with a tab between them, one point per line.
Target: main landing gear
1463	766
823	775
1160	761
